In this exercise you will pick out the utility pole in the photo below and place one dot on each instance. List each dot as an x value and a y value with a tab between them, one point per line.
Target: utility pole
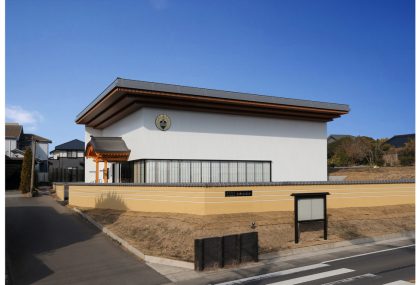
33	146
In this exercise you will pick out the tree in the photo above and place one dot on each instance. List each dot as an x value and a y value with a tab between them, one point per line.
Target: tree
360	150
407	155
25	174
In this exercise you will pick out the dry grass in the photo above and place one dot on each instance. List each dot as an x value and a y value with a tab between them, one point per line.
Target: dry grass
369	173
172	235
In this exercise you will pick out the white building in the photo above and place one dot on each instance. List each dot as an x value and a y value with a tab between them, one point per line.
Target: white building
177	134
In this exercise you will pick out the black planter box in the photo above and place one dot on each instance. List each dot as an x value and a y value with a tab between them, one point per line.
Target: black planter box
217	252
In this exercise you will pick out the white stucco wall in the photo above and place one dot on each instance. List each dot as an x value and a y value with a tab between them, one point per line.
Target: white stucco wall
297	149
10	145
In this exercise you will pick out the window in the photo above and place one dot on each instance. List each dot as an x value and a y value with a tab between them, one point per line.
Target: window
72	154
192	171
127	172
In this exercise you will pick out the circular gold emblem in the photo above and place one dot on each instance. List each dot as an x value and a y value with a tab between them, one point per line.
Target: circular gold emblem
163	122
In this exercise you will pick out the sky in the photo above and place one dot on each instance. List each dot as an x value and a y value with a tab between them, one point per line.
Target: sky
60	55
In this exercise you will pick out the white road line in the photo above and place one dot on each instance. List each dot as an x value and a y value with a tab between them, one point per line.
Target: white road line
368	253
313	277
399	282
351	279
275	274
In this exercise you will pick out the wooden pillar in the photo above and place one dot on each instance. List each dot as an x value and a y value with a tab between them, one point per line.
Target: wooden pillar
106	171
97	171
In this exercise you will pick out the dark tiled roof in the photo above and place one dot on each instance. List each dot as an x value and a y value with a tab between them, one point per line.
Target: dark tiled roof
30	137
400	140
71	145
108	144
13	130
333	138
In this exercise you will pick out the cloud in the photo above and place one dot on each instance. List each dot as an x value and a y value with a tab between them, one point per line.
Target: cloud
29	119
159	4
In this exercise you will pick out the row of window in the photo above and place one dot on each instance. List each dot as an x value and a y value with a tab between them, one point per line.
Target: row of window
191	171
70	154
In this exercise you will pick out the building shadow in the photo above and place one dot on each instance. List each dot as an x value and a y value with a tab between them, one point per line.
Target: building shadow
34	231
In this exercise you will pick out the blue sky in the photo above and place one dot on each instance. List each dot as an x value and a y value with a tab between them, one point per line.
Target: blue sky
61	54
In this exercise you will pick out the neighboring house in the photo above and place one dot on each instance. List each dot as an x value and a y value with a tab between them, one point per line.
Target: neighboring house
13	135
393	157
400	140
67	162
16	143
41	153
145	132
334	138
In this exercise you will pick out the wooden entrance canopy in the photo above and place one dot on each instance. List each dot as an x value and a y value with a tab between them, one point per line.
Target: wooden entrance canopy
106	149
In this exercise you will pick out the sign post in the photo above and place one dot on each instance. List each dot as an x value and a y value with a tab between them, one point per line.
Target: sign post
310	207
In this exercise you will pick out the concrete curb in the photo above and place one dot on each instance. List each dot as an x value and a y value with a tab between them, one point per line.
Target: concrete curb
133	250
340	244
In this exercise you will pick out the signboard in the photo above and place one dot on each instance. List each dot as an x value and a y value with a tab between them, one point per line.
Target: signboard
239	193
310	207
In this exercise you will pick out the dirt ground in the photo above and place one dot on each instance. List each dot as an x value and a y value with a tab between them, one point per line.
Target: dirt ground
172	235
370	173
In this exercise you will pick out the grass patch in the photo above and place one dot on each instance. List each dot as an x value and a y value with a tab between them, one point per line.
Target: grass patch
172	235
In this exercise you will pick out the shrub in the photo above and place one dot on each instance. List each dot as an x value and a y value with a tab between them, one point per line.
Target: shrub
408	154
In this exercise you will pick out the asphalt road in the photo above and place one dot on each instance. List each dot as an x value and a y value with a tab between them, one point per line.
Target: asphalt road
393	264
47	243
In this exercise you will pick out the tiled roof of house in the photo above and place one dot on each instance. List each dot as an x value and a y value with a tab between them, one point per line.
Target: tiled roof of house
334	138
13	130
400	140
30	137
108	144
71	145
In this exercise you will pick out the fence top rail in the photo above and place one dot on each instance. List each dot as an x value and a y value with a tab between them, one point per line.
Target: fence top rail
244	184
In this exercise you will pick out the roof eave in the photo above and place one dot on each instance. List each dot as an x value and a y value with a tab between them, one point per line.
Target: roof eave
122	85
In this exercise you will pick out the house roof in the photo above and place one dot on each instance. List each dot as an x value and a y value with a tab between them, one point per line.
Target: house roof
124	96
338	137
400	140
71	145
13	130
30	137
108	145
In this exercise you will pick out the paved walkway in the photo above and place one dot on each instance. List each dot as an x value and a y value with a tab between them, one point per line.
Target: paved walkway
49	244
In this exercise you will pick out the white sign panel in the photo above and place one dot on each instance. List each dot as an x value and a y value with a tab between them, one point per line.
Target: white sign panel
310	209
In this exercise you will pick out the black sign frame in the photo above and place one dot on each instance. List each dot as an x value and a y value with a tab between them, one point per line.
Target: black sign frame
302	196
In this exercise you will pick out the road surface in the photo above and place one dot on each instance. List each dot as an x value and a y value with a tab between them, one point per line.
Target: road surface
47	243
394	265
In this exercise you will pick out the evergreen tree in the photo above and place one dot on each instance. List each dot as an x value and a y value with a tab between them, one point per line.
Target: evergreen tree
25	174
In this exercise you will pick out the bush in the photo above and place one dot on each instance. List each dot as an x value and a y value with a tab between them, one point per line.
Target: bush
408	154
25	174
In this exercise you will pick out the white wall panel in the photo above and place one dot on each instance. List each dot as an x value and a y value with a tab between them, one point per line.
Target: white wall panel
297	149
